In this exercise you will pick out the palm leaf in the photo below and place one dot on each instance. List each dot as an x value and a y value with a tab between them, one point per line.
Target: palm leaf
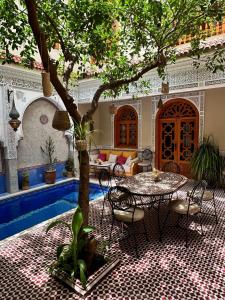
57	222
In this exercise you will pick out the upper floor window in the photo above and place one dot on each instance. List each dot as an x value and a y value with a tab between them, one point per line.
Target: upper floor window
126	127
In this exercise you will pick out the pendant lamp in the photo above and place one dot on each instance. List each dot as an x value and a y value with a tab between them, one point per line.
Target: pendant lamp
165	88
14	115
46	84
61	120
160	103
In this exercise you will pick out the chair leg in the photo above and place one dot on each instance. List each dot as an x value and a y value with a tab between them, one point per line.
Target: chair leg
186	235
146	234
214	204
103	207
158	219
110	235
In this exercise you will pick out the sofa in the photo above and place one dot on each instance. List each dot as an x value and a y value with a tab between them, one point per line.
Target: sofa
127	158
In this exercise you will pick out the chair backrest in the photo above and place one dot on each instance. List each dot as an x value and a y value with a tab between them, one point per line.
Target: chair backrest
171	166
104	180
118	172
120	198
196	195
147	155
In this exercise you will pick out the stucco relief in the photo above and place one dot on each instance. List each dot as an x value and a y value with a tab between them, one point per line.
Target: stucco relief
35	134
197	98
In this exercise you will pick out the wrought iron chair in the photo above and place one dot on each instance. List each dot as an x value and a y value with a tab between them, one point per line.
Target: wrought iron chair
125	211
189	207
105	183
119	173
146	162
171	166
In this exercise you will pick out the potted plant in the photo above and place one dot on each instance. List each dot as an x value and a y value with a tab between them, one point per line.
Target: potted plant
69	167
78	260
82	133
25	180
49	152
207	162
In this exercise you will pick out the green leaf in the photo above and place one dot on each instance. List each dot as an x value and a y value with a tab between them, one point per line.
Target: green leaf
87	229
57	222
83	269
77	223
60	250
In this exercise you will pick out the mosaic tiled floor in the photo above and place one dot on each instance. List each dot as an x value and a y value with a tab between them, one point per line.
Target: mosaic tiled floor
165	271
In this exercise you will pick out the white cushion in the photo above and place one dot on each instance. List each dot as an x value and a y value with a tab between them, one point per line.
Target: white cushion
207	196
126	216
126	168
127	163
93	157
112	158
181	207
136	159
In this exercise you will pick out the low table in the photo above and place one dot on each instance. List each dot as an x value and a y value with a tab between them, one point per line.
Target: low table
97	166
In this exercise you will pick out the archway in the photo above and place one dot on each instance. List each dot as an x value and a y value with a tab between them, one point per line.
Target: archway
126	127
177	131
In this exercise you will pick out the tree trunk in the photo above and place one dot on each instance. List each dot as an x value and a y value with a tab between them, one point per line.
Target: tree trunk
83	199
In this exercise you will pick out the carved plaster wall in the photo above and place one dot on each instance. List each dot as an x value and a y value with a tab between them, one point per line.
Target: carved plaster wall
37	127
197	98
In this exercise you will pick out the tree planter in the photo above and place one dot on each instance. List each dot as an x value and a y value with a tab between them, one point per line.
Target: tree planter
93	280
50	176
81	145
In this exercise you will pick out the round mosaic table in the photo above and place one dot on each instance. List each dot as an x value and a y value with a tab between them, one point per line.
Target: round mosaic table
151	192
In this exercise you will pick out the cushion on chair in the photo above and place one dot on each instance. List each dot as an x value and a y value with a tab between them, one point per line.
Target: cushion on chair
112	158
207	196
126	216
129	158
116	152
102	156
181	207
121	160
133	154
106	152
126	168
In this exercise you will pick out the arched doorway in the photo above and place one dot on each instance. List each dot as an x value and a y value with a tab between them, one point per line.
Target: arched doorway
126	127
177	125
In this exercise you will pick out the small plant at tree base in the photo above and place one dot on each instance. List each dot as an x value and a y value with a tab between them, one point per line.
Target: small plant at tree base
69	165
49	151
207	162
76	258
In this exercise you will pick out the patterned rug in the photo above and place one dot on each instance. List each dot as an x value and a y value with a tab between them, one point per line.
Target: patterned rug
166	270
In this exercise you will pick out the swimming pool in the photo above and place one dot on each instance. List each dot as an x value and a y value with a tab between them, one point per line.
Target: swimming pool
20	212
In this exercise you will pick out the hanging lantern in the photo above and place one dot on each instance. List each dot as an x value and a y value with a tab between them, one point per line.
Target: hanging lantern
160	103
112	109
46	84
14	115
165	88
61	120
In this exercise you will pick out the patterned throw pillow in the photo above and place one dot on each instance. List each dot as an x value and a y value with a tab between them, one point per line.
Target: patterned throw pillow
112	158
128	161
121	160
102	156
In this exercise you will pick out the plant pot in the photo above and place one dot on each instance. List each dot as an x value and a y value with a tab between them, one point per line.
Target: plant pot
93	280
25	187
81	145
50	176
69	174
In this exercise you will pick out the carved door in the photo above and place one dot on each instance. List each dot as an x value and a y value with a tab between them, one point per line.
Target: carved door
177	134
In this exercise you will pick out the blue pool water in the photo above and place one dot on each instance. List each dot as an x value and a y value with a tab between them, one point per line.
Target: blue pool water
21	212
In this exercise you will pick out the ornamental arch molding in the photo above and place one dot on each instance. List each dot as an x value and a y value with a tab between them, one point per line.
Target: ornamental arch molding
196	98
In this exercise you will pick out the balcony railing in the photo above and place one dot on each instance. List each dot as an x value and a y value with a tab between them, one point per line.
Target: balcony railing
207	31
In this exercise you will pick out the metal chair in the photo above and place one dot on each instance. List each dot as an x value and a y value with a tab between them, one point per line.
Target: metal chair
119	173
146	162
171	166
124	210
189	207
104	179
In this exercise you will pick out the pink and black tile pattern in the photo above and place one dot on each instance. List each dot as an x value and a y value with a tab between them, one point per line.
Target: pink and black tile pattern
165	271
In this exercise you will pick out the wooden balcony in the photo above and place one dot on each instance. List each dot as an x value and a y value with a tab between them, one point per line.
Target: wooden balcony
207	31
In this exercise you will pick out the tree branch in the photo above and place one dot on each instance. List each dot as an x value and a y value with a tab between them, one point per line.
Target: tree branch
40	39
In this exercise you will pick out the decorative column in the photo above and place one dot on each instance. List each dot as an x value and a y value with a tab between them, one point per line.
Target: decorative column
10	149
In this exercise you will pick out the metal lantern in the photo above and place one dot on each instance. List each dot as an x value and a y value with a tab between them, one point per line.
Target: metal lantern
165	88
14	115
61	120
112	109
160	103
46	84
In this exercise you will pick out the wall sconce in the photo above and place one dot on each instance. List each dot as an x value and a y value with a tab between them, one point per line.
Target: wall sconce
13	114
160	103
